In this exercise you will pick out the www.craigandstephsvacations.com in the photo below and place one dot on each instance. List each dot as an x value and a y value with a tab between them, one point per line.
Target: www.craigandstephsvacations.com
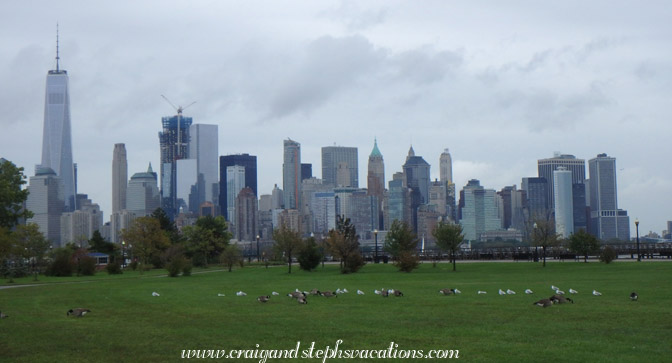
262	355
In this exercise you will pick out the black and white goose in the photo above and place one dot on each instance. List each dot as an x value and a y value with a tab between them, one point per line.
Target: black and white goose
263	298
79	312
634	296
3	316
398	293
329	294
544	303
560	299
447	291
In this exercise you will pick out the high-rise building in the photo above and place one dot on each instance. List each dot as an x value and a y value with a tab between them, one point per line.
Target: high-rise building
546	167
446	167
323	206
45	200
245	160
416	170
57	134
78	226
607	221
375	180
277	198
291	174
235	182
203	146
187	185
119	177
536	193
142	194
479	211
340	161
119	222
306	171
563	201
173	142
511	208
246	215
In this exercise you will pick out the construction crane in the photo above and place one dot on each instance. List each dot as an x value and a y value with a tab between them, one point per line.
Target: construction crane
179	110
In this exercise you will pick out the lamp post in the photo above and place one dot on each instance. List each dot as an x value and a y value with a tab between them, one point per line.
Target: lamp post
639	257
123	254
534	238
258	255
375	236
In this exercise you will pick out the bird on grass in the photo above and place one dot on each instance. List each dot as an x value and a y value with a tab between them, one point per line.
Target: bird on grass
553	287
510	292
572	291
297	295
79	312
634	296
240	293
385	293
263	298
559	299
377	292
597	293
544	303
221	295
559	292
482	292
398	293
329	294
155	294
529	292
502	292
360	292
302	300
275	293
457	291
447	291
3	316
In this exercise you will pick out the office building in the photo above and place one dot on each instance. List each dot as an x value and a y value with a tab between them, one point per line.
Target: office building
142	195
246	215
546	167
119	177
45	200
479	210
607	220
340	166
235	182
563	201
291	174
203	146
249	162
173	141
446	167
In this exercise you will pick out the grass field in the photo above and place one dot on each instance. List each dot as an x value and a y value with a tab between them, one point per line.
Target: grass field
128	324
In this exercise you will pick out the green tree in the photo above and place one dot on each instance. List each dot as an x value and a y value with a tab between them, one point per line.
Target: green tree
544	236
401	243
31	244
583	244
231	256
220	235
287	243
167	225
310	256
200	243
448	237
98	244
147	239
12	196
343	244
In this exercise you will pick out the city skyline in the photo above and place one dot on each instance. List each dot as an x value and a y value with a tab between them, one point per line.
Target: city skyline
499	94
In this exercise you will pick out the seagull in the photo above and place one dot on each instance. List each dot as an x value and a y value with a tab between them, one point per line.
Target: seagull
559	292
634	296
221	295
482	292
390	291
155	294
502	292
240	293
275	293
339	291
528	291
345	290
457	291
510	292
360	292
572	291
553	287
377	292
597	293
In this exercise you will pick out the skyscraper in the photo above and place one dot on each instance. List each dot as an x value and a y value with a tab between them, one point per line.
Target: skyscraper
536	192
479	212
57	134
546	167
203	146
340	160
375	180
446	167
45	200
142	194
246	215
249	162
607	221
173	142
563	201
235	182
291	174
119	177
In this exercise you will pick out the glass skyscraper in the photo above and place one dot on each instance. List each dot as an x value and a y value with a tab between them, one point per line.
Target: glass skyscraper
173	141
291	174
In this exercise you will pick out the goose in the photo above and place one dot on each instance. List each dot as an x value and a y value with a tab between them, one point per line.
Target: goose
510	292
221	295
529	292
302	300
446	291
3	316
597	293
155	294
398	293
502	292
377	292
329	294
296	295
572	291
240	293
263	298
544	303
275	293
634	296
559	299
360	292
385	293
482	292
79	312
314	292
553	287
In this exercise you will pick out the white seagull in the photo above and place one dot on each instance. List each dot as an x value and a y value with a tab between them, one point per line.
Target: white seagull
360	292
240	293
221	295
528	291
553	287
502	292
345	290
457	291
482	292
572	291
510	292
155	294
377	292
275	293
597	293
559	292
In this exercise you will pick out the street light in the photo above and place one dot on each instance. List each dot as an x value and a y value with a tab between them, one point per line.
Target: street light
639	257
375	235
258	255
534	237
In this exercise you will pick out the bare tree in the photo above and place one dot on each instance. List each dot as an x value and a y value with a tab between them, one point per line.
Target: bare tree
544	236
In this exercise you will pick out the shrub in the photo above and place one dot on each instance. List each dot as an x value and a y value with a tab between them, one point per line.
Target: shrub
186	269
407	262
353	263
86	266
60	266
133	265
608	254
113	268
309	257
175	265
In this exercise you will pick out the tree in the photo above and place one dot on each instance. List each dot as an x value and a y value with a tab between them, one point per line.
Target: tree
12	196
31	245
219	236
287	242
310	256
448	237
167	225
544	236
230	256
147	238
583	243
98	244
200	243
343	243
401	243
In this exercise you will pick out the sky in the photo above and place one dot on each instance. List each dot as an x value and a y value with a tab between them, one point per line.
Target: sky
500	84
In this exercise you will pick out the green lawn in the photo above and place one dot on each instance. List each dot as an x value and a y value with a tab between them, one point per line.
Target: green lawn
128	324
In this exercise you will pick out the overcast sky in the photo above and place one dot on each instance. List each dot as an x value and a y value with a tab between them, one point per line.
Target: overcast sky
501	84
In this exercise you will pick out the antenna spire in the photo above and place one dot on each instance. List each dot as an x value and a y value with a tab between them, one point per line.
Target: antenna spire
57	57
